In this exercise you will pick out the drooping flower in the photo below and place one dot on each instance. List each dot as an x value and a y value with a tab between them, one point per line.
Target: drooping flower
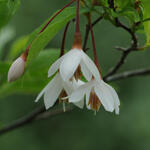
97	93
17	69
70	87
56	89
73	61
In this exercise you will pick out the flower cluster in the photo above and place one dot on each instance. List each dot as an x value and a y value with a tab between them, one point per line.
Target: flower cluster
67	86
68	71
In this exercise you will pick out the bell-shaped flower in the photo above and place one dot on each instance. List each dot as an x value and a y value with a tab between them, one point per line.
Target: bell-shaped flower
72	62
97	93
70	87
17	69
56	89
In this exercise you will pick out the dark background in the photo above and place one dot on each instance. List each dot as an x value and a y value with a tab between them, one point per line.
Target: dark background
80	129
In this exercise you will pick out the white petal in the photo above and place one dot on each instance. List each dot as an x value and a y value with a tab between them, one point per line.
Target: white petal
79	93
91	66
53	91
86	73
115	98
70	63
76	83
16	69
68	86
105	96
42	92
54	67
80	82
80	104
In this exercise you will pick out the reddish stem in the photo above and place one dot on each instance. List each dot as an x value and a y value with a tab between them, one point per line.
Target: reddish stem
94	46
56	15
77	36
77	18
63	40
25	54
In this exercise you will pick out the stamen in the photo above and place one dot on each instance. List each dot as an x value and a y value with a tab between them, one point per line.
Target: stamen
94	101
63	101
64	106
62	95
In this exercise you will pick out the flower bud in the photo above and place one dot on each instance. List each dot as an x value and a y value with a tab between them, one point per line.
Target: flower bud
17	69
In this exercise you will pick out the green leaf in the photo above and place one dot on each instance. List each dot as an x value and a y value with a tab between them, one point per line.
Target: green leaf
7	10
123	4
104	3
131	14
6	35
146	4
17	47
4	66
131	9
34	79
45	37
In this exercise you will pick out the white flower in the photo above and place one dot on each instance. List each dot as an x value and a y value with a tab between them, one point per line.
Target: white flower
16	69
73	85
97	93
57	89
71	61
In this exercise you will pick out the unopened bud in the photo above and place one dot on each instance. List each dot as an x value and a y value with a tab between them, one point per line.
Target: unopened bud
17	69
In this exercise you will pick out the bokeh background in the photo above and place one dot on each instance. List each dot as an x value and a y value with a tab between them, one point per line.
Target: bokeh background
80	129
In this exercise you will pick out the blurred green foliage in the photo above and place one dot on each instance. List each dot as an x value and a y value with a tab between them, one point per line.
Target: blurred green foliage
79	129
7	10
34	78
147	24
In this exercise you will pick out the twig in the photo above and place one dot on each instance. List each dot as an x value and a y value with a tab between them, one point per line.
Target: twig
62	50
37	114
119	64
45	26
125	52
134	38
48	114
22	121
41	113
87	30
57	13
127	74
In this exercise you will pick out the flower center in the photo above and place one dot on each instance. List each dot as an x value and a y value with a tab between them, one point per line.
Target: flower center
94	101
62	95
